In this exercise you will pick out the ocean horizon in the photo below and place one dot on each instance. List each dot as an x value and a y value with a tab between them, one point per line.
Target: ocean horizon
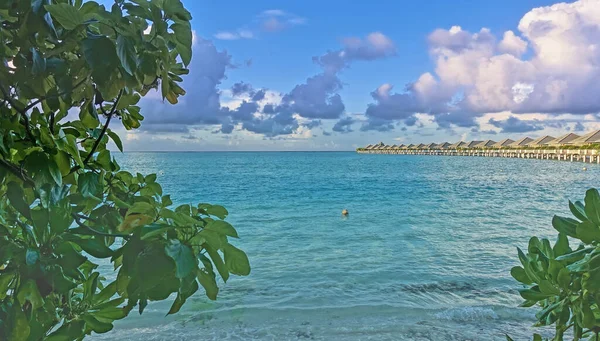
425	253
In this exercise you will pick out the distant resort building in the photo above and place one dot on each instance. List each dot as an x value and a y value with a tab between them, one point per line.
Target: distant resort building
570	147
542	141
504	143
591	138
522	142
566	139
486	144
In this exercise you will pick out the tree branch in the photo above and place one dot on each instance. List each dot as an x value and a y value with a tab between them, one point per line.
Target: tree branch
9	99
102	133
94	231
17	171
43	98
23	113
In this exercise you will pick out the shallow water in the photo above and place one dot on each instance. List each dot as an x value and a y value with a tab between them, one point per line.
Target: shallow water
425	253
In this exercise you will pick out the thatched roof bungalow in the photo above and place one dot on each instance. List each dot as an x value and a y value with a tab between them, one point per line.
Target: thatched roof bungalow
421	146
541	141
411	146
566	139
522	142
590	138
444	145
473	144
432	146
486	144
459	144
504	143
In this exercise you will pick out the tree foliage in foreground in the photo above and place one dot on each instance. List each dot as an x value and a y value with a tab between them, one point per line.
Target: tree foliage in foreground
565	282
64	201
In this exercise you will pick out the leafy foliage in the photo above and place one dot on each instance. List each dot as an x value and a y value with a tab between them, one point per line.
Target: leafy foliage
565	282
64	201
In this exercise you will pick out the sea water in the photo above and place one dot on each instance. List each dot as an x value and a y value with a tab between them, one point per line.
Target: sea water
424	254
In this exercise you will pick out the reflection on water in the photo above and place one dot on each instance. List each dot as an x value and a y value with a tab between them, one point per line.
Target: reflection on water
425	253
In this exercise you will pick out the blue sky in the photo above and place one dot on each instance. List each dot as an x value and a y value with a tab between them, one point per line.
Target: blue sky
471	79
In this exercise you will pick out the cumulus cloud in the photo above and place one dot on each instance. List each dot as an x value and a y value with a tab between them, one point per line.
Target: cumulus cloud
477	73
261	111
516	125
344	125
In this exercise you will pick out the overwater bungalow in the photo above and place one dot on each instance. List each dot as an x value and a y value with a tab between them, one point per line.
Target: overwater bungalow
369	147
432	146
504	143
486	144
590	138
394	147
444	145
541	141
473	144
459	144
402	146
411	146
522	142
566	139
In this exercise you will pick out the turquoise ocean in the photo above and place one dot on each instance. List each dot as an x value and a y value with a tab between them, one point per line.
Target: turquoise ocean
425	253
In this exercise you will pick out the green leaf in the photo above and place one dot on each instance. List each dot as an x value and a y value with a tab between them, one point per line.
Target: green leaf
105	294
215	210
5	281
94	247
564	225
222	227
18	324
574	256
68	331
116	139
15	195
97	326
236	260
561	246
533	294
28	292
175	9
89	287
578	210
519	274
127	54
101	55
588	232
547	288
588	321
183	35
208	283
183	257
39	63
216	259
592	205
66	15
188	287
71	148
564	278
89	185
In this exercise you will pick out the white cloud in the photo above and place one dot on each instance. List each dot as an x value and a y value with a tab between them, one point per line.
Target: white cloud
551	65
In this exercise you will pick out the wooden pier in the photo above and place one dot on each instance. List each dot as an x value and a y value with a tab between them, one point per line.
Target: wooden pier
572	155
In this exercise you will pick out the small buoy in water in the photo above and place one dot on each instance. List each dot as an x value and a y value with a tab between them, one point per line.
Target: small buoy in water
584	168
344	212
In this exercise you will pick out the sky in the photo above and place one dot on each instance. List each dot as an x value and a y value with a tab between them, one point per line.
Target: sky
337	75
